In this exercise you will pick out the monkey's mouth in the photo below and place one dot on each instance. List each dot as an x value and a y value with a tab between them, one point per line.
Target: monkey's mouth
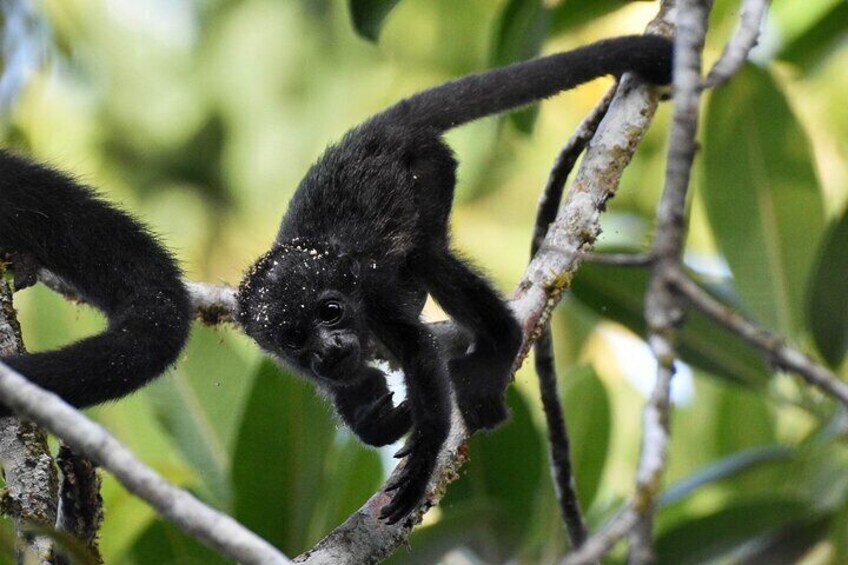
338	367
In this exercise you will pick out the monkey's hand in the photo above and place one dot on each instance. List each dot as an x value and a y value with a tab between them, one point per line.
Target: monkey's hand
410	484
380	422
480	381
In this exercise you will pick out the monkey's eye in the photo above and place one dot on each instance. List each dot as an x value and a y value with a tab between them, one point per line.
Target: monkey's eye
331	311
294	339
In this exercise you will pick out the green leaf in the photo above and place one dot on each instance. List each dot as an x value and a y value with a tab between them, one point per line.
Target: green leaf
787	545
762	197
278	465
571	14
369	15
827	306
618	293
165	544
811	47
743	420
520	31
353	473
503	473
717	535
723	469
430	543
200	413
588	417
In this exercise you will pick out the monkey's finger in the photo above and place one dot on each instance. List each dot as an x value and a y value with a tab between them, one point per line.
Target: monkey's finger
384	400
395	483
405	450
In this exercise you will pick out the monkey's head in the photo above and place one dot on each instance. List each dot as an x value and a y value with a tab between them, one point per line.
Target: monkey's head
300	302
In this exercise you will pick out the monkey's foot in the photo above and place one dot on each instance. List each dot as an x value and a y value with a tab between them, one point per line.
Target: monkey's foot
480	385
410	484
482	412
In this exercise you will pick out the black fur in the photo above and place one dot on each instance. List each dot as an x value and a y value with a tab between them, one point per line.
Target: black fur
366	234
47	220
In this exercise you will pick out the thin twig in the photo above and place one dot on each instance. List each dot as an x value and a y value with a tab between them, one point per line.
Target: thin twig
561	470
772	345
545	364
663	312
619	259
594	549
211	527
737	49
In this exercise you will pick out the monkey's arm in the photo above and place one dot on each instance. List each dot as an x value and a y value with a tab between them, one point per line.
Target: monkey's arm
480	378
114	263
499	90
368	410
427	391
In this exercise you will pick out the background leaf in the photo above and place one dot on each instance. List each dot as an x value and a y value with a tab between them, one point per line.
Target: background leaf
519	33
588	417
828	307
571	14
502	475
720	533
278	463
369	15
762	197
618	293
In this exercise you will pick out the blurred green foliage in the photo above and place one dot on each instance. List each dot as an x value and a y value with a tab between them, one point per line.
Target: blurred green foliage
201	116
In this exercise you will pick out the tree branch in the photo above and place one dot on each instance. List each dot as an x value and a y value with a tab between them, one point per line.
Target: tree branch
31	482
663	312
772	345
737	49
213	528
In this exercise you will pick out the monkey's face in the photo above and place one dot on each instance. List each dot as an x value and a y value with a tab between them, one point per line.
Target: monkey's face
300	302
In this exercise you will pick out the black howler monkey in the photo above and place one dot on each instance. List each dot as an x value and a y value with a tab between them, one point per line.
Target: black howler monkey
47	220
365	239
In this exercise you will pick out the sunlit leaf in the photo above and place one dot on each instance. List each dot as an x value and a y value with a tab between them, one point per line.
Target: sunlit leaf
762	197
811	47
588	417
571	14
828	307
369	15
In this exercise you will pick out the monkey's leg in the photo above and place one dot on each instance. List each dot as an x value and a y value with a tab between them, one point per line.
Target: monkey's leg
367	409
428	395
481	376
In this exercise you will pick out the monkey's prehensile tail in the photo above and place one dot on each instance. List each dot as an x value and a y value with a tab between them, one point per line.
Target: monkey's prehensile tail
114	263
499	90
